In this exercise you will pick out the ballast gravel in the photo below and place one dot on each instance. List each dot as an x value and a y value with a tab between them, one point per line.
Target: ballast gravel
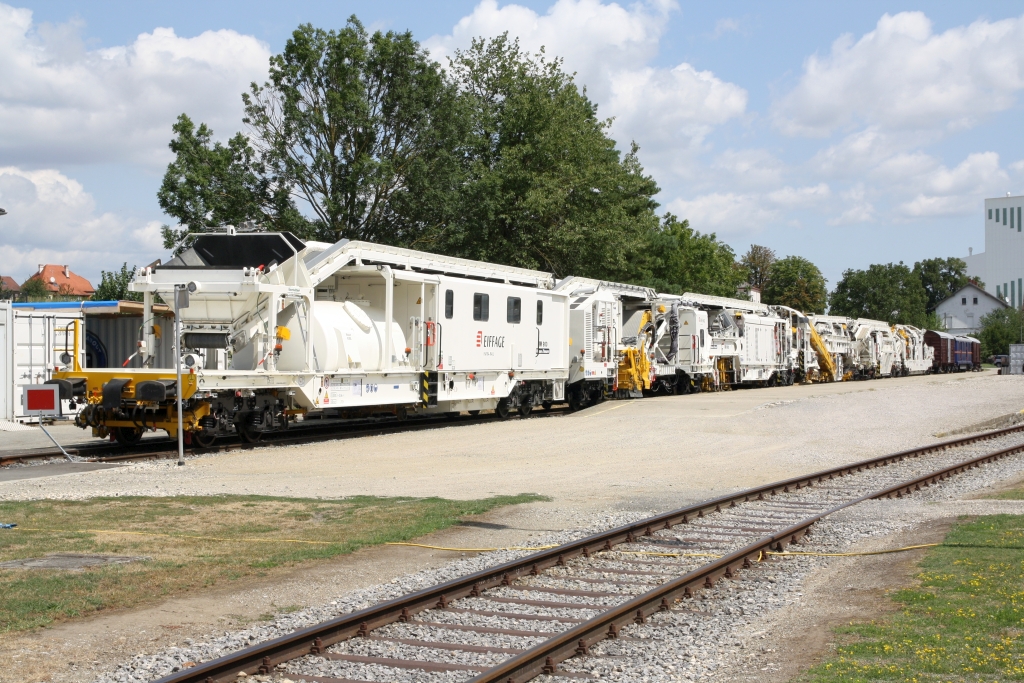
701	639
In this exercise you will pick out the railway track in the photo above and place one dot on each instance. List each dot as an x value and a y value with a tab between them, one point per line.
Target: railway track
541	614
311	432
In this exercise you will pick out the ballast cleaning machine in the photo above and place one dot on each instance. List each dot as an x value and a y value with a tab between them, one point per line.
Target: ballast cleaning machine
278	328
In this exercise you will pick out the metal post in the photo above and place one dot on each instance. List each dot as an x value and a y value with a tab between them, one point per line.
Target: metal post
179	290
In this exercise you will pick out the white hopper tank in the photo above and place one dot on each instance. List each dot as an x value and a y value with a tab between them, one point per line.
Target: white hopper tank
346	336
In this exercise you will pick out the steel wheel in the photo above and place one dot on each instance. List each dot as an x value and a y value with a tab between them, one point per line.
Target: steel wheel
525	406
474	413
128	436
203	438
503	409
247	431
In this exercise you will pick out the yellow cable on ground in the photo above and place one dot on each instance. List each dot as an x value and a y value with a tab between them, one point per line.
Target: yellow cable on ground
872	552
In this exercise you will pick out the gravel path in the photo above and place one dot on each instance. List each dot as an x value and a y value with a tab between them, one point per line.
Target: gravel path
704	638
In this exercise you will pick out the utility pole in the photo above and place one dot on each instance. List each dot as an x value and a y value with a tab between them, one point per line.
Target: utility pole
180	302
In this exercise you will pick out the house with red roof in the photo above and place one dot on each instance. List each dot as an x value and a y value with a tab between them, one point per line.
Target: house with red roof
62	282
9	286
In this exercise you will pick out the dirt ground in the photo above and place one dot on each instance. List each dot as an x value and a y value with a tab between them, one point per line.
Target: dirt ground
648	455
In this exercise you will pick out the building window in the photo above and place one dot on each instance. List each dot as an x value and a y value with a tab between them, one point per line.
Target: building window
481	307
1011	218
999	294
975	301
514	309
1018	219
540	312
449	304
990	214
1004	216
963	301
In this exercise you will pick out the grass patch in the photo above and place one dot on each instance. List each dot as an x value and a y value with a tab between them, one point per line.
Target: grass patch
256	529
965	621
1016	493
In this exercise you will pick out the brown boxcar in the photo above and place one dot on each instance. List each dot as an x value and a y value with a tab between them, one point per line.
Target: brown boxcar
945	348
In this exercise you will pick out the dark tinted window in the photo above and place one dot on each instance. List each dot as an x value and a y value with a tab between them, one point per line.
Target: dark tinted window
702	338
514	309
481	307
540	312
975	299
449	304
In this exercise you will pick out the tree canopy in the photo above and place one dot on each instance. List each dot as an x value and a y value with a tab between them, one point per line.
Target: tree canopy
796	282
890	292
114	285
543	185
209	184
362	127
999	329
941	278
758	261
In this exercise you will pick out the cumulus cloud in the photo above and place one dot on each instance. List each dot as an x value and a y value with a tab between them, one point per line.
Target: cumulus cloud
949	191
608	47
52	219
903	76
61	103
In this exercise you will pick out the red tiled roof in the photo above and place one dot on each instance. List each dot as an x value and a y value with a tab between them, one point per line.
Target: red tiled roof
59	279
9	283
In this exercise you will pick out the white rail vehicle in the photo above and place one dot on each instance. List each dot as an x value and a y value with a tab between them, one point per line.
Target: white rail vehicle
680	360
357	327
915	356
803	359
749	342
835	332
875	348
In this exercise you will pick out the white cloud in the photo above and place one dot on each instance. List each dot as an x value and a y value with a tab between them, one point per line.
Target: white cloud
728	214
52	219
800	197
858	208
61	103
749	168
723	26
950	191
666	110
902	76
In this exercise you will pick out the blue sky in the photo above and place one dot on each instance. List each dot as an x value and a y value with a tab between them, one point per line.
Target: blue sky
851	133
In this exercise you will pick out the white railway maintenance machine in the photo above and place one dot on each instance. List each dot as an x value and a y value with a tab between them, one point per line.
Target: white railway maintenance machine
277	328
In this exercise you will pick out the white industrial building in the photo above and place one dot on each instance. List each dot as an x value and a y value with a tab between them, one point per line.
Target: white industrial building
962	312
1001	265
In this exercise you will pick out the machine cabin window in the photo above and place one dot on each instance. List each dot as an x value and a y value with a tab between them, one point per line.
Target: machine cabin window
540	312
481	307
702	338
449	304
514	309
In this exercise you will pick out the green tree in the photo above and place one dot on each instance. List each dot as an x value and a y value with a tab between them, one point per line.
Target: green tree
114	285
889	292
796	282
361	125
942	278
35	289
758	261
684	260
209	184
544	186
999	329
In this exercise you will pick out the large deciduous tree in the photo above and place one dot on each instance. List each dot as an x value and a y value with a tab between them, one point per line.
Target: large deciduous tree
943	277
543	184
796	282
684	260
758	261
362	126
890	292
210	184
999	329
